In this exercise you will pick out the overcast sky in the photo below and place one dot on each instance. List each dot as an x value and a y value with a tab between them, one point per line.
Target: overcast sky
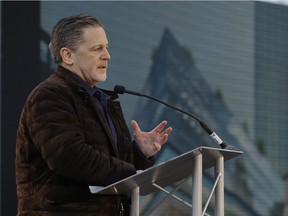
282	2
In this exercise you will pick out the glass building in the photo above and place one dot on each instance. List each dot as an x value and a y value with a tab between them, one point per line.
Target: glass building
174	78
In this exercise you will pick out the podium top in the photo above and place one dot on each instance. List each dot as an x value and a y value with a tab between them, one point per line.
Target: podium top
169	172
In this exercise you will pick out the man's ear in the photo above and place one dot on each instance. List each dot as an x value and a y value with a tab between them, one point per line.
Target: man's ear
66	55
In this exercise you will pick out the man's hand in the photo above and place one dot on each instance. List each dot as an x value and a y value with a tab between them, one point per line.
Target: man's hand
151	142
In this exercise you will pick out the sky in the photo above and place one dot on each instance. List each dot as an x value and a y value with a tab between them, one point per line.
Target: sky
281	2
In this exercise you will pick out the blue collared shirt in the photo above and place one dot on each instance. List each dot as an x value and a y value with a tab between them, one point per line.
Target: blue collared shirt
101	99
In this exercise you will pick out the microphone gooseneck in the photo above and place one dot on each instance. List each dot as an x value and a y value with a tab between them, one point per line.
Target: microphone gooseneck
121	90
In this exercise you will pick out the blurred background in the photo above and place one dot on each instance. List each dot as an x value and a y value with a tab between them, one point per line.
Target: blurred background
223	61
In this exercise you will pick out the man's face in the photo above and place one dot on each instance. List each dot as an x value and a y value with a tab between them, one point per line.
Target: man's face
90	60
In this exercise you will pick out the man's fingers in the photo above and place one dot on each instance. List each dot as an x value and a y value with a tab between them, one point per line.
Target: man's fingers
160	127
164	139
135	126
168	131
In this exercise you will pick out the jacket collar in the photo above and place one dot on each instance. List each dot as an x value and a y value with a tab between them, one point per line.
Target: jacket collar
76	84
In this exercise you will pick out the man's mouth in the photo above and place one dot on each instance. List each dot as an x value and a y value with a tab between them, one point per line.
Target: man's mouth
102	67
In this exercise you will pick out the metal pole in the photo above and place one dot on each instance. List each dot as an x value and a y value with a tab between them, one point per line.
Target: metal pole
197	186
219	192
135	193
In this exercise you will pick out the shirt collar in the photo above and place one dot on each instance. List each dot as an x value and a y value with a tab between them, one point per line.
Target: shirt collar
91	90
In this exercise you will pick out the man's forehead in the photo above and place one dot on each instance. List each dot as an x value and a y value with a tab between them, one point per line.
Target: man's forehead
95	35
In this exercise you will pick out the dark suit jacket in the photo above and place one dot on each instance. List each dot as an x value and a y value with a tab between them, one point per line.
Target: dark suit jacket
64	144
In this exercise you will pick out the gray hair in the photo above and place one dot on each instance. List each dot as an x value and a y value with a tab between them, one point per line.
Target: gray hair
68	32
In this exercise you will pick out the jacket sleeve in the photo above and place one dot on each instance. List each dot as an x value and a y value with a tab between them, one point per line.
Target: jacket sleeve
55	129
141	162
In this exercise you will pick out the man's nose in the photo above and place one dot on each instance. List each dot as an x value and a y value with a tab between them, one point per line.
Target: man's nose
106	55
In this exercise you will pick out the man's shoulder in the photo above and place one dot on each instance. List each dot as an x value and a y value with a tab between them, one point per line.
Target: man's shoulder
51	88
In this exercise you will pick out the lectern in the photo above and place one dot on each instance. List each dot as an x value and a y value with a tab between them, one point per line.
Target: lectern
181	168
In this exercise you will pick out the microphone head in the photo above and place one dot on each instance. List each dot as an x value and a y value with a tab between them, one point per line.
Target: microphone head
119	89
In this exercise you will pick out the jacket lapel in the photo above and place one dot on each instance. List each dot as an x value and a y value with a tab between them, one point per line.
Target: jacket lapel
88	99
104	123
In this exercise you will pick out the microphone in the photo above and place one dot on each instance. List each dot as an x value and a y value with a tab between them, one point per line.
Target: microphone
121	90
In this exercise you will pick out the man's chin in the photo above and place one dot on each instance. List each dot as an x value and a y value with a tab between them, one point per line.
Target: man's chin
100	79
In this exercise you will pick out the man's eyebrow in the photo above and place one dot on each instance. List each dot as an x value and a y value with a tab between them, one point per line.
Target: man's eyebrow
98	46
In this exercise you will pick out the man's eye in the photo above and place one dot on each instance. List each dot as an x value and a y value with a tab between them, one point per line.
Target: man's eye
96	49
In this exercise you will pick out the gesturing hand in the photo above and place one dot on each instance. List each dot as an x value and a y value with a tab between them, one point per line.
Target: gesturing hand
150	142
